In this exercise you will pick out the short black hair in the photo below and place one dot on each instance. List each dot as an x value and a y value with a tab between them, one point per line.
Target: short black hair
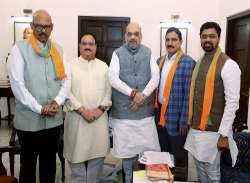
88	34
209	25
176	30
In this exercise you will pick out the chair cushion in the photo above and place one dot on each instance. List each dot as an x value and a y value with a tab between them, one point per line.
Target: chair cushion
243	160
231	175
8	179
241	171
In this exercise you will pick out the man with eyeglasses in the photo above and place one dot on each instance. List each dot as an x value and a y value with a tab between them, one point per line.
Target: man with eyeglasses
86	136
134	75
40	81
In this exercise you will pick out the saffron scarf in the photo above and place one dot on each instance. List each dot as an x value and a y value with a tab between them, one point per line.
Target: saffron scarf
209	90
51	51
168	86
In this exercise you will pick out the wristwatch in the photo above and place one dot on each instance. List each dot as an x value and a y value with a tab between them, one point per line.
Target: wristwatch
103	108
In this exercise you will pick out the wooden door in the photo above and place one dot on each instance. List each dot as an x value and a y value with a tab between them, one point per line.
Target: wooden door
238	48
109	32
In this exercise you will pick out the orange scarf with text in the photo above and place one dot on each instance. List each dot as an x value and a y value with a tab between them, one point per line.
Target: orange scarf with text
51	51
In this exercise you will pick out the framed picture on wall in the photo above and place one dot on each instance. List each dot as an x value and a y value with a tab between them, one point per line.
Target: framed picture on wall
18	30
184	33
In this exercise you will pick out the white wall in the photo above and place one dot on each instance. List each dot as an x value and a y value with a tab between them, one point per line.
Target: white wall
148	13
65	18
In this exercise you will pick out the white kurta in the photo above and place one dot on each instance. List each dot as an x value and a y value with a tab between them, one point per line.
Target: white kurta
90	88
132	137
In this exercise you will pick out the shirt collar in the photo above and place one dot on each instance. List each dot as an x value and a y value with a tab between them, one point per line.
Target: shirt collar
82	59
172	58
42	46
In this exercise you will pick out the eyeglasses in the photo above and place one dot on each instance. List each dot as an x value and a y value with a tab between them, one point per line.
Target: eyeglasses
40	27
87	43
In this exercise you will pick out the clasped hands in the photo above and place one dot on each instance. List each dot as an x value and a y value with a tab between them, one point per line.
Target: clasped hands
138	101
89	115
50	109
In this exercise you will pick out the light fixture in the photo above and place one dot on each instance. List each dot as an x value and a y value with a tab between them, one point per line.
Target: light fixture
21	18
175	22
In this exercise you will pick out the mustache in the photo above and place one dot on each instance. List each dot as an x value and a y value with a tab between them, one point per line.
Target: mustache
207	42
87	49
132	40
170	46
42	34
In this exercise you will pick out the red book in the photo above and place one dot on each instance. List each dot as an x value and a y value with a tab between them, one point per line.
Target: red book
159	171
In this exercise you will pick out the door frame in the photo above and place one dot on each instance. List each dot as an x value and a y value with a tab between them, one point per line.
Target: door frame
98	18
229	43
230	22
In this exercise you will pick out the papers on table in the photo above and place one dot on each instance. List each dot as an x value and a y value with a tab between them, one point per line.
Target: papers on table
151	157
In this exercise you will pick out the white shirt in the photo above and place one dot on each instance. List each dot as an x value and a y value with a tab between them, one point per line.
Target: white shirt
202	144
164	74
15	67
132	137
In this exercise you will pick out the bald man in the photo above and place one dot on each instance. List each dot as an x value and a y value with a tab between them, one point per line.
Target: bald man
133	75
39	78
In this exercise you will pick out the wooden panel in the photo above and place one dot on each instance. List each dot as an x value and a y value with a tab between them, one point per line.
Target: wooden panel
109	32
114	34
238	48
241	36
109	53
98	31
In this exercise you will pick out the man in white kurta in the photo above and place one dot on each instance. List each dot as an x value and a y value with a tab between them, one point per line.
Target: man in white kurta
86	125
207	144
133	75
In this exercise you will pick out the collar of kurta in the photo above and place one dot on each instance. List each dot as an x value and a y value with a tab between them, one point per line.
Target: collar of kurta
87	61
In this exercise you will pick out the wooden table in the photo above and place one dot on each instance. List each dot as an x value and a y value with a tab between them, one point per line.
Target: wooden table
5	91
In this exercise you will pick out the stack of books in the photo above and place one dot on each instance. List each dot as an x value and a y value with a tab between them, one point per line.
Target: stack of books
4	83
157	166
156	172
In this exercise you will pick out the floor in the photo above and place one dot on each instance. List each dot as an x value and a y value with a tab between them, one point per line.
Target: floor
4	140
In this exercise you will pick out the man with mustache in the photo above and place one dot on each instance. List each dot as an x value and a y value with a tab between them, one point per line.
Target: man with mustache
134	75
214	99
40	81
172	115
86	136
